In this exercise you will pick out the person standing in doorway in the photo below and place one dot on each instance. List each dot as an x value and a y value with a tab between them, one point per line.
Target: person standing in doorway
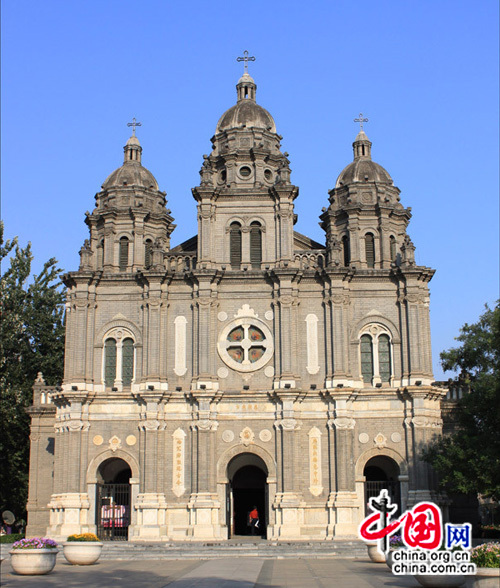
254	519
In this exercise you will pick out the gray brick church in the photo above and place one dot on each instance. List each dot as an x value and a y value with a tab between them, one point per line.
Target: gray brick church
248	366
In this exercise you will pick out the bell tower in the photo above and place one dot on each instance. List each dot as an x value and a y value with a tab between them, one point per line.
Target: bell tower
130	226
245	198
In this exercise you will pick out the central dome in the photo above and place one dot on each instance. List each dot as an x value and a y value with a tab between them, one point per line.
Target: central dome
246	112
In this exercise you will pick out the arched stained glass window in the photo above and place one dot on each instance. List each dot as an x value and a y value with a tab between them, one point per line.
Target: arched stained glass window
370	250
384	358
127	361
109	362
235	245
255	244
366	358
123	258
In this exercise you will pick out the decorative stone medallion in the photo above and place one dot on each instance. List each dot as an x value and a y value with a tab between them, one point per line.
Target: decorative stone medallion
396	437
97	440
269	371
223	372
380	441
247	436
227	436
222	316
131	440
269	315
363	438
265	435
115	443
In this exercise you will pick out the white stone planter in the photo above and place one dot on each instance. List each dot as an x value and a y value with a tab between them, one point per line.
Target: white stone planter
487	578
33	562
432	581
374	554
82	553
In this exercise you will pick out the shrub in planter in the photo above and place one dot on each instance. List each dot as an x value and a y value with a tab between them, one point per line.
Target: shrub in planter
82	550
11	538
33	556
487	559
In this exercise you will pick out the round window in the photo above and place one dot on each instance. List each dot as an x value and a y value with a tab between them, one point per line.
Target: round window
245	171
268	174
245	345
223	175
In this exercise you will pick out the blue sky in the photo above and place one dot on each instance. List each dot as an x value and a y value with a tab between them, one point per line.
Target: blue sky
424	72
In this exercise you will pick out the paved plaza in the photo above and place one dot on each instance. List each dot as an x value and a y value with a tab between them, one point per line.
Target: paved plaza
233	572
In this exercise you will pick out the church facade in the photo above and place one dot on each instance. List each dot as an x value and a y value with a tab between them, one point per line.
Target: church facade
249	366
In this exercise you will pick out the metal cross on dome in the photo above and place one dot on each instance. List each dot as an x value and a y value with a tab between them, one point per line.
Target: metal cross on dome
361	120
246	59
134	124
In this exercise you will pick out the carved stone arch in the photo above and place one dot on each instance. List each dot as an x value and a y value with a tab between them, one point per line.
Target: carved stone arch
234	219
365	230
365	457
375	318
257	219
235	450
115	323
108	454
122	234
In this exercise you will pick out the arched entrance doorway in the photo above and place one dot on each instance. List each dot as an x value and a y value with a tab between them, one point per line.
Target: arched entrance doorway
247	474
382	472
113	500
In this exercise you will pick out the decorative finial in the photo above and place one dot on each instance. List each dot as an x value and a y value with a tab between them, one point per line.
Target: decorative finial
134	124
361	120
246	59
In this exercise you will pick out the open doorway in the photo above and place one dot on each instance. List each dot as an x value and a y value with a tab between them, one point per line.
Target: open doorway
382	472
113	500
247	475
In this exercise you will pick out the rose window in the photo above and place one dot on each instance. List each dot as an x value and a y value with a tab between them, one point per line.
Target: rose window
246	346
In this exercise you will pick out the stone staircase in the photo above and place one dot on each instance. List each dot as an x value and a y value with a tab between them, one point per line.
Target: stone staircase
122	550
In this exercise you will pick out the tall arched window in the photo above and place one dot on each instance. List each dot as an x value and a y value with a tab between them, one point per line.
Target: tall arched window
119	361
235	245
392	241
123	258
370	249
148	251
345	250
255	244
127	361
384	358
100	261
366	358
109	362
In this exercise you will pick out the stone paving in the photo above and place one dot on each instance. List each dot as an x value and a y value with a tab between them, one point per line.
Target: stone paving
243	572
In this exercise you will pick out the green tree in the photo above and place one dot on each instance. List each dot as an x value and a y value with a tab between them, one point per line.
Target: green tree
31	340
469	459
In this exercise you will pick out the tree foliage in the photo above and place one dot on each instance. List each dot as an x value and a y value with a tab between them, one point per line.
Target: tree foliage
469	459
31	340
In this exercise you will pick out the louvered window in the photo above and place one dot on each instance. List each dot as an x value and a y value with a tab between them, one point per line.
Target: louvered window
370	250
127	361
109	362
393	248
101	254
235	245
123	261
384	358
255	245
346	251
148	254
367	358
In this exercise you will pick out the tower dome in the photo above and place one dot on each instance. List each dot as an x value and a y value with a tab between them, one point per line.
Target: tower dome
363	169
246	112
132	172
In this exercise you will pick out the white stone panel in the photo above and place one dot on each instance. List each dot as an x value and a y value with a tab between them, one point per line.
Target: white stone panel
180	345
